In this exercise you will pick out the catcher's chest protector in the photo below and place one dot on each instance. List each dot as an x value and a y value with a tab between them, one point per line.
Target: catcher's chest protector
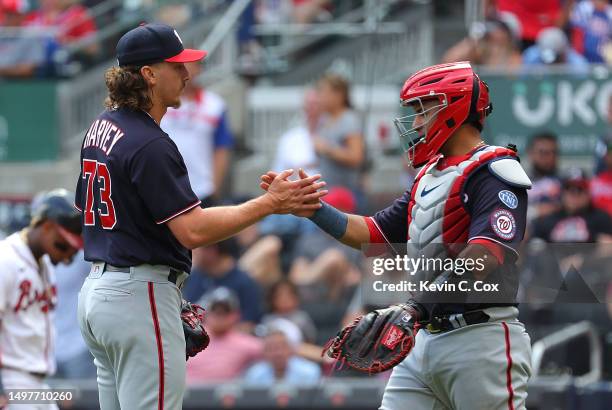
436	212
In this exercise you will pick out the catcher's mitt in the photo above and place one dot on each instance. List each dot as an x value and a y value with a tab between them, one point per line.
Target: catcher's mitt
196	338
378	340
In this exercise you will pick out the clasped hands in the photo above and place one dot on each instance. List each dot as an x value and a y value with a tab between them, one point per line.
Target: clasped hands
299	197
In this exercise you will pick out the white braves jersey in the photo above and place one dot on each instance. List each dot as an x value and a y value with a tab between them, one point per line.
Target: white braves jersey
27	300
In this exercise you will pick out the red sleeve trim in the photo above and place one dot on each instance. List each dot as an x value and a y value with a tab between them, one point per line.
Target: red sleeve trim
179	212
492	247
376	235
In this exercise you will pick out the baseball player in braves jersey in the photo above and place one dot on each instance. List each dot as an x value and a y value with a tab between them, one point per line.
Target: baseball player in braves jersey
472	355
141	218
27	292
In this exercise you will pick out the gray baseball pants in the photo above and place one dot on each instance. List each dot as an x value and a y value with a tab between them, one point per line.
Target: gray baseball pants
484	366
131	324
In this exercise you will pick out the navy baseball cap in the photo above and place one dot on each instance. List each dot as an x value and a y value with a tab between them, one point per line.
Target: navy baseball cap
154	43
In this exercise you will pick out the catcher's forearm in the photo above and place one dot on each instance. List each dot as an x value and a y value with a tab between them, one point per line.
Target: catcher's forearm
477	251
471	251
349	229
423	300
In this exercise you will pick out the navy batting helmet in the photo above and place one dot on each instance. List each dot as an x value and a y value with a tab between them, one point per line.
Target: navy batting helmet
56	206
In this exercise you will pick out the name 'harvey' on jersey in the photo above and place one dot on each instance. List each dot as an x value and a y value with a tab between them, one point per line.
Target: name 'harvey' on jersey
103	134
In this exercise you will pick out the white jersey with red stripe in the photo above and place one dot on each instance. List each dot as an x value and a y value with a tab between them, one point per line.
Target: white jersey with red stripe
192	128
27	300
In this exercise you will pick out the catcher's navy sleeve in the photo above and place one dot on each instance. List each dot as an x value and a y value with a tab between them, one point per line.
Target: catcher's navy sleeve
498	211
160	176
391	224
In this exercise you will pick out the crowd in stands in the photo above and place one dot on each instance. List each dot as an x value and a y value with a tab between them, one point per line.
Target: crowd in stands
276	12
514	33
278	291
34	41
522	32
59	38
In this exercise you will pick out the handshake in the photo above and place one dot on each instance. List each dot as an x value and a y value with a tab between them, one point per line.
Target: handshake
300	197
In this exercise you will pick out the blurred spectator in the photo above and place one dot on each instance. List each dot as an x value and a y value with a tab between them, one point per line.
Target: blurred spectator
552	47
200	129
11	7
601	149
534	16
284	303
326	272
73	358
69	20
308	11
295	147
291	11
592	30
253	57
230	351
339	143
245	27
295	150
23	53
215	266
286	229
261	258
601	185
322	262
175	14
251	52
273	11
492	44
577	220
545	193
280	363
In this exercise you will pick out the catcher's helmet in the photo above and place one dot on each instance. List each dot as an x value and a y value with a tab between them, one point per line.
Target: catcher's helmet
461	96
56	205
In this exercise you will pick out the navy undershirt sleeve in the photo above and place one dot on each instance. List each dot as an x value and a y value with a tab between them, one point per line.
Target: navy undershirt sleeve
393	220
498	210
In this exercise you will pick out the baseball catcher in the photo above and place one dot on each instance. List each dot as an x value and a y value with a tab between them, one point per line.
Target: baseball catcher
455	347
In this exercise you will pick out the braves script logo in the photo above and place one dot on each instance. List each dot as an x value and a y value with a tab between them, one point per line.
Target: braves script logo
28	297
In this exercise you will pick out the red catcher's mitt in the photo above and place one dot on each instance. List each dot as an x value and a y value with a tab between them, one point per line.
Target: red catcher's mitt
378	340
196	338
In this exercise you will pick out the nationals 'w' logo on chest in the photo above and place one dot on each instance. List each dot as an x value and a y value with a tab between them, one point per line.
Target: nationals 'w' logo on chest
29	296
